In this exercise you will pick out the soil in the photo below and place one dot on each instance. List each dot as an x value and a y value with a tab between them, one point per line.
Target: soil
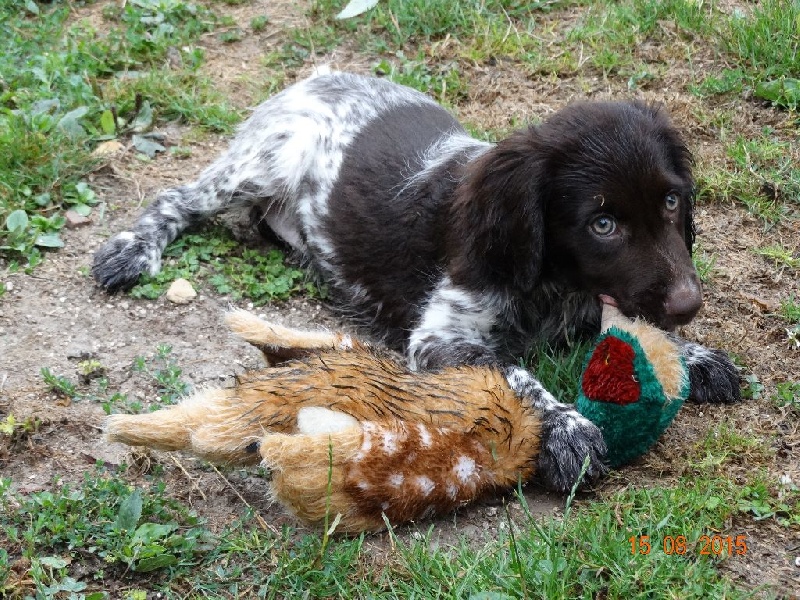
56	316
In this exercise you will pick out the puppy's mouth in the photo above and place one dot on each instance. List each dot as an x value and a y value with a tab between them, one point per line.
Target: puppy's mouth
665	324
606	299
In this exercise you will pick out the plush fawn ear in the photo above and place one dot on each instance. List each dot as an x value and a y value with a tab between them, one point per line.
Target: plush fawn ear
496	232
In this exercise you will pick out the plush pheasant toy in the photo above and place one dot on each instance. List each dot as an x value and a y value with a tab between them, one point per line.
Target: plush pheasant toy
634	383
348	431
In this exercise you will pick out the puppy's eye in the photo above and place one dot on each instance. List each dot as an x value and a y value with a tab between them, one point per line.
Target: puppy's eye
672	201
604	225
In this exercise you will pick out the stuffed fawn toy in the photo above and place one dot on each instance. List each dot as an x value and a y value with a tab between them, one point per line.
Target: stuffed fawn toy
347	430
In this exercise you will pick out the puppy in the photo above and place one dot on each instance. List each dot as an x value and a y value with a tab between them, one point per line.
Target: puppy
455	250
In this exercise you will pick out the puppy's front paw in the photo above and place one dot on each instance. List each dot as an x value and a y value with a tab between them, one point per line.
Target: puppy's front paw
567	439
713	378
119	262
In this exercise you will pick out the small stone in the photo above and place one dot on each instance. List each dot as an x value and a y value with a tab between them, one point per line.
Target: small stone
181	292
74	220
107	148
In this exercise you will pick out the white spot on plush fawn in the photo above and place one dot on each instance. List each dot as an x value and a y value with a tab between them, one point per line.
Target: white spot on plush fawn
317	419
452	491
464	469
396	479
366	443
385	506
389	442
424	436
425	485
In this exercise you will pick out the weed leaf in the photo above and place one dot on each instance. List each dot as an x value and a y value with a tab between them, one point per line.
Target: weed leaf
69	122
783	92
54	562
151	563
107	123
144	118
147	146
17	221
130	511
147	533
49	240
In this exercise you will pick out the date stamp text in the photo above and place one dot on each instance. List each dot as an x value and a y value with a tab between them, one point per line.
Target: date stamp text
705	545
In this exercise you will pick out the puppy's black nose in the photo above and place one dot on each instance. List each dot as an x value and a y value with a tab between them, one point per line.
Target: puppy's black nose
684	300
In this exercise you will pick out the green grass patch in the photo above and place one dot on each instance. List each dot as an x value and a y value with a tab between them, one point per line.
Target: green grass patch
780	256
442	81
790	309
67	86
787	394
636	544
762	175
213	258
158	371
103	525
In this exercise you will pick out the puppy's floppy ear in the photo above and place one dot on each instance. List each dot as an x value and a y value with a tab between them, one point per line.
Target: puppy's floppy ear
496	231
690	230
679	155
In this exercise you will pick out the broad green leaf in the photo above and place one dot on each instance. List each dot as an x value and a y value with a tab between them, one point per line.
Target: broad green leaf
130	511
147	533
147	146
82	209
151	563
49	240
783	92
69	123
17	221
54	562
144	118
107	123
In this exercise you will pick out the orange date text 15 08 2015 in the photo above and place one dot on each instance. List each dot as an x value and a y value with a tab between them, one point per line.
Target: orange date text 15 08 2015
708	545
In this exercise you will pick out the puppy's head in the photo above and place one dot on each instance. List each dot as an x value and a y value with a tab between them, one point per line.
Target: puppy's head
619	209
598	197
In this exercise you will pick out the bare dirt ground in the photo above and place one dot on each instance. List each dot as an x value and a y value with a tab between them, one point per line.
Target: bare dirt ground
56	316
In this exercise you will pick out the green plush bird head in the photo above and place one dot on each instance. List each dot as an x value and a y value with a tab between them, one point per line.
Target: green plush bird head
633	384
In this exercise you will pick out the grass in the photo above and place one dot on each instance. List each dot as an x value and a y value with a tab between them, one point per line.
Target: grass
636	543
102	523
159	372
213	258
67	87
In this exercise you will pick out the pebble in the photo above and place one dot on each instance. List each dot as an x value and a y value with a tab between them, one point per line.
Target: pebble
181	292
74	220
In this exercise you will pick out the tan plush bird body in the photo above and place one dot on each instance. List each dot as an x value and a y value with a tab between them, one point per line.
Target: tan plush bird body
348	431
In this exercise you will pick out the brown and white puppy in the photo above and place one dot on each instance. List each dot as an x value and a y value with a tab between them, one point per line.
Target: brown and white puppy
455	250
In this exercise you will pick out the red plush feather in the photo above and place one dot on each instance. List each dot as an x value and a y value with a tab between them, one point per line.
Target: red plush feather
609	376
